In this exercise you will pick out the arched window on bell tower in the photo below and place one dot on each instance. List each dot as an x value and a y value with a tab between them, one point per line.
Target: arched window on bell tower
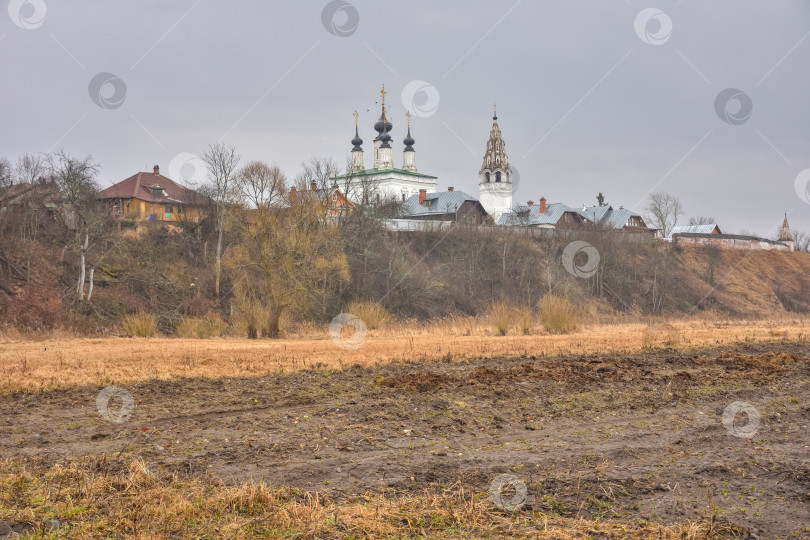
487	177
498	176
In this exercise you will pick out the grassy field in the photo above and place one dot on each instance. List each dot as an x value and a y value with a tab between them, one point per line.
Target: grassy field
63	363
617	431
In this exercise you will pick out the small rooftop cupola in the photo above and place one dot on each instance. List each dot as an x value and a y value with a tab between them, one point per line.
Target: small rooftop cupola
495	175
409	154
383	153
357	151
156	170
785	235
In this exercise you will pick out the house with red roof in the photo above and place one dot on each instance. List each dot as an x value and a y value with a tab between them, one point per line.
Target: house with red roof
153	197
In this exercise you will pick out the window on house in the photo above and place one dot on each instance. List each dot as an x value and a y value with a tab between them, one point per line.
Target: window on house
334	197
169	209
403	196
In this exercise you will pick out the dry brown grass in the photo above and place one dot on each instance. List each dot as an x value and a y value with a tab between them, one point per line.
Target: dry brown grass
142	325
209	326
661	335
503	317
27	365
101	497
372	314
559	315
526	321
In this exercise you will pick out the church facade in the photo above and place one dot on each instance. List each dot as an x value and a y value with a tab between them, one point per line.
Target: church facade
383	181
495	176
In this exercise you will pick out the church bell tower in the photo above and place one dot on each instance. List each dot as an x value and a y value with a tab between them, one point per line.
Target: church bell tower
495	176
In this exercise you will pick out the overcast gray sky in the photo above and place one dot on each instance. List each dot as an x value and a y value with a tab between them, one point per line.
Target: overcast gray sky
615	96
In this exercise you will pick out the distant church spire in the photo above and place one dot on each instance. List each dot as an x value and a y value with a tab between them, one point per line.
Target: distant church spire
383	124
357	141
785	236
357	151
495	158
409	154
495	175
383	153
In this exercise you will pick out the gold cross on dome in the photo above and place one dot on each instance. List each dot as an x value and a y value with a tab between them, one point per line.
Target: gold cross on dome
383	92
495	110
355	118
408	114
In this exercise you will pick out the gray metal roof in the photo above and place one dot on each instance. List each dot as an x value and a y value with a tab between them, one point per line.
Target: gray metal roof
607	216
693	229
530	216
415	225
442	202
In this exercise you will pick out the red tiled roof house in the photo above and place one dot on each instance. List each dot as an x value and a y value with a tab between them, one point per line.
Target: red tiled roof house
153	197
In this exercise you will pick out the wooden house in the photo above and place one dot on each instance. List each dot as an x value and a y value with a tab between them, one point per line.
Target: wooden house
153	197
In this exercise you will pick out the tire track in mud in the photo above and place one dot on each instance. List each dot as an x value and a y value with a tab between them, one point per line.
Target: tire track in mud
639	434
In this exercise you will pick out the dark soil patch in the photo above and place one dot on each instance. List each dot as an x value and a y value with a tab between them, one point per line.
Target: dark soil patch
421	382
629	436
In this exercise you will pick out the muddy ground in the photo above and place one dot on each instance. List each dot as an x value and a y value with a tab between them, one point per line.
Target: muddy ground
629	436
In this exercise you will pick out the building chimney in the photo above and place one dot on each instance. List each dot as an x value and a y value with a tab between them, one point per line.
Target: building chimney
313	186
422	195
293	194
531	203
156	170
542	205
450	188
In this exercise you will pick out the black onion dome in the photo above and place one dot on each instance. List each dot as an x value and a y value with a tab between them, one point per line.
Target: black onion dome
357	141
386	139
383	124
409	141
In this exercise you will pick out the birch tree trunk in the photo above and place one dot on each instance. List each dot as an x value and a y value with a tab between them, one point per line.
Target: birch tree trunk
90	287
219	261
80	287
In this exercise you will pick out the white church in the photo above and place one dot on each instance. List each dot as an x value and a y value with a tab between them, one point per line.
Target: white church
383	181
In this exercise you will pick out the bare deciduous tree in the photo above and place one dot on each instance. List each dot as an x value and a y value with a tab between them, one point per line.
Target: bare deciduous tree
701	220
75	178
318	171
261	185
284	261
802	240
5	172
362	189
664	210
29	169
222	162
